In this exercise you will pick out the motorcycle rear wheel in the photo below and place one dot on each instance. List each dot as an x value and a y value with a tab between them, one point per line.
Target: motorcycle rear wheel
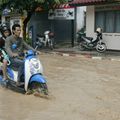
80	46
101	47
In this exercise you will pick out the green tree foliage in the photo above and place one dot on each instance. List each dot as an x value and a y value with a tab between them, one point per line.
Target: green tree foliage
29	6
28	3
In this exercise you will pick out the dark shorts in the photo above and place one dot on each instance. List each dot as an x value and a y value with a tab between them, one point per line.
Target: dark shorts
1	57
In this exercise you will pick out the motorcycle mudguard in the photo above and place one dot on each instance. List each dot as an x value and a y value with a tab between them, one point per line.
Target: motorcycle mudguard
10	73
1	78
38	78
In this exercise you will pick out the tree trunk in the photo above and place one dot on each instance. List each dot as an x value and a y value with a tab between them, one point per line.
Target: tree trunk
29	14
25	24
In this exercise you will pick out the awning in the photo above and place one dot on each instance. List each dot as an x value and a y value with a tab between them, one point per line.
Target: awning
61	6
88	2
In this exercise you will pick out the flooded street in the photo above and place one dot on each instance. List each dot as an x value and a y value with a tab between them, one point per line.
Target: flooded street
80	89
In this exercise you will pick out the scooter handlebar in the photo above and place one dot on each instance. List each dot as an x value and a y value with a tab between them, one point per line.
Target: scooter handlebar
32	53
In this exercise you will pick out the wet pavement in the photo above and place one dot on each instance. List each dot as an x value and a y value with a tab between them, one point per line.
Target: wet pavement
74	51
80	89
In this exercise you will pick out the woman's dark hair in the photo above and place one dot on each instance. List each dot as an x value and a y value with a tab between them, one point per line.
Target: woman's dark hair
4	28
14	26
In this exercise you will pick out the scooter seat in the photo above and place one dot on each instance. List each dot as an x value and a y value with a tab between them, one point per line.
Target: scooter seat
89	38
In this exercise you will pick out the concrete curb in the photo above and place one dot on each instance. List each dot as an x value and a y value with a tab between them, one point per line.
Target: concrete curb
85	55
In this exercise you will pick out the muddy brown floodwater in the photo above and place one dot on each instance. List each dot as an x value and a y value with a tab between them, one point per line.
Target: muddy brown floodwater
80	89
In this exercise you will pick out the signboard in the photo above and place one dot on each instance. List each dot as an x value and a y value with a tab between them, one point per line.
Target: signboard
61	14
6	12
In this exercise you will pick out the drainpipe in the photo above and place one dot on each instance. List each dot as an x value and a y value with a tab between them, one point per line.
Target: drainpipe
73	29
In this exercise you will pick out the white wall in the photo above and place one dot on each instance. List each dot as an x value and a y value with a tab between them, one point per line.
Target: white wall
3	19
90	21
112	40
80	17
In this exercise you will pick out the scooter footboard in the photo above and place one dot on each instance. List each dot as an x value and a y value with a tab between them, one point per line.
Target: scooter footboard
1	78
37	78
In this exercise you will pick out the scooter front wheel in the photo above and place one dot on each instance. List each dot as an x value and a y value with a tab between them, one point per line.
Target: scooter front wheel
101	47
39	88
51	44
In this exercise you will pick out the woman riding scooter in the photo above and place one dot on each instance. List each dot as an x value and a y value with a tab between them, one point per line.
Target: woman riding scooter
5	32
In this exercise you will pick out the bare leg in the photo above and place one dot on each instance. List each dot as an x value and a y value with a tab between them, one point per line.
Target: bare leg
4	68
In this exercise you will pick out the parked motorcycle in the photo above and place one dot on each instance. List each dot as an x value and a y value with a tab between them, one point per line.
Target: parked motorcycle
32	77
90	43
46	40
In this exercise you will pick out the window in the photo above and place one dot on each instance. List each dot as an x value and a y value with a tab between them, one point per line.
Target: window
117	23
100	18
109	21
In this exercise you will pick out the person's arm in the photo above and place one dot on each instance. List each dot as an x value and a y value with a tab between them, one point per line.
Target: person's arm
8	47
28	46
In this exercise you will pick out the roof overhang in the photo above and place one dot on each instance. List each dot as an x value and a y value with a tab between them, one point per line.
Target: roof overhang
91	2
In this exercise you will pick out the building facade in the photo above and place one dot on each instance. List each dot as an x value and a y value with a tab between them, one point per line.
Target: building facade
104	14
11	18
61	21
108	18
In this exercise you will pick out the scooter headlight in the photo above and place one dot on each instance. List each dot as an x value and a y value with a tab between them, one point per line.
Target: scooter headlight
34	66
